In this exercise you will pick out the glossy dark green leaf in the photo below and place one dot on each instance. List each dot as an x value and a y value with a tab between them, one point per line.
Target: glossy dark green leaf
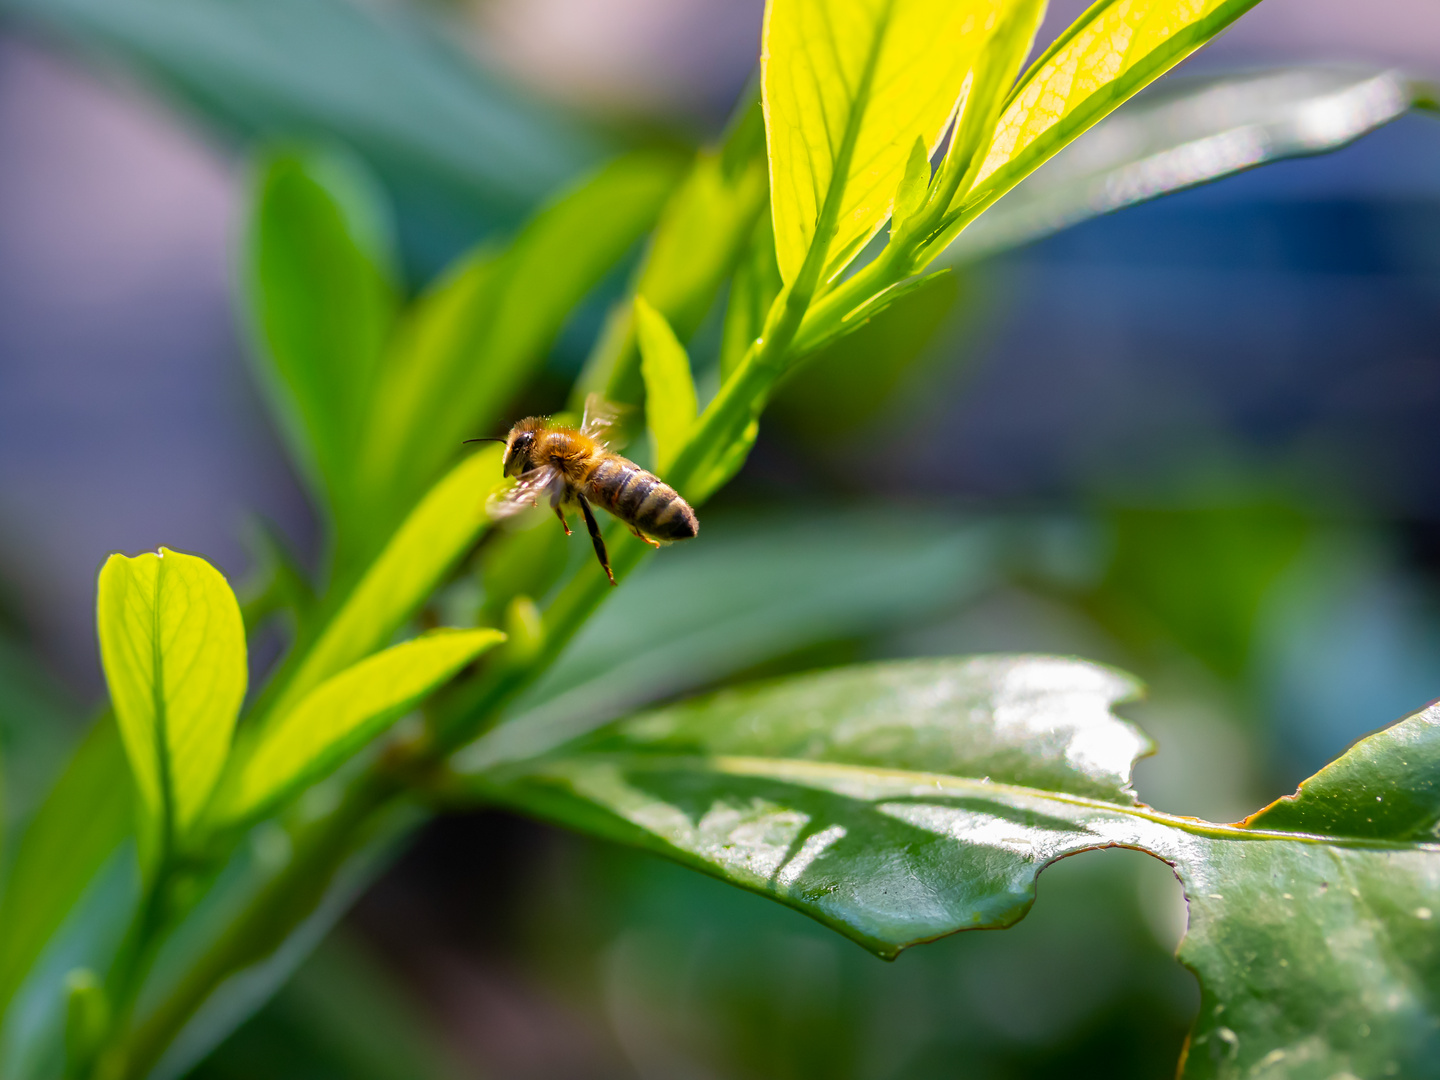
901	802
1315	959
869	798
1386	787
1188	133
323	301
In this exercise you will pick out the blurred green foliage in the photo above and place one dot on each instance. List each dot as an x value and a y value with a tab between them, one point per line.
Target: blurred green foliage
421	237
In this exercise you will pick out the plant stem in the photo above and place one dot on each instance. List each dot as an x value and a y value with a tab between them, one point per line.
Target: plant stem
266	922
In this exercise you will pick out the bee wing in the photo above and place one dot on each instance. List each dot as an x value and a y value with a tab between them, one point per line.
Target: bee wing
600	417
529	489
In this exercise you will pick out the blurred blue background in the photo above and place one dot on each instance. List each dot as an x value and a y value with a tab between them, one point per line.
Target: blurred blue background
1225	400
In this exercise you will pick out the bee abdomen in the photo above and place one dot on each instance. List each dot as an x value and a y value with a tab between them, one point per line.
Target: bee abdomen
644	500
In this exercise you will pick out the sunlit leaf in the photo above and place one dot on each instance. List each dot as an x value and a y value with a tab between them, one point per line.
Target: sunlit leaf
435	535
340	716
670	402
848	89
173	646
323	302
901	802
910	195
1113	50
1177	136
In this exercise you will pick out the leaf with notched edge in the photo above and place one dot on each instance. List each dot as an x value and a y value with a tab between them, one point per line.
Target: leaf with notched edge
901	802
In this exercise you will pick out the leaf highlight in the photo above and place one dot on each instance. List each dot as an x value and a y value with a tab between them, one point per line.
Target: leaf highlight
848	88
173	647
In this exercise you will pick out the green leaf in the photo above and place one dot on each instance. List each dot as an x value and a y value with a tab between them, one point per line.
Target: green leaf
670	402
323	302
994	74
423	550
839	793
339	717
81	823
901	802
1181	134
1115	49
173	646
848	89
1324	958
910	196
1387	787
473	343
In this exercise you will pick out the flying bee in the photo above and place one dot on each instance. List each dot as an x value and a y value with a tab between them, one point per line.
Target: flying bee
575	467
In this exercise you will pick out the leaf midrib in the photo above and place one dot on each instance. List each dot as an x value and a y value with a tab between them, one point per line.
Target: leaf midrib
162	735
781	768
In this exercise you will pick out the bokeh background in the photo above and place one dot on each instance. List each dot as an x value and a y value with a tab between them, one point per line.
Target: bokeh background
1217	411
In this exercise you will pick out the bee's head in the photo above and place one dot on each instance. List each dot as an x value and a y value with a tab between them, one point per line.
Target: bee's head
519	446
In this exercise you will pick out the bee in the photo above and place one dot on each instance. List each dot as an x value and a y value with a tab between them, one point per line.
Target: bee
576	467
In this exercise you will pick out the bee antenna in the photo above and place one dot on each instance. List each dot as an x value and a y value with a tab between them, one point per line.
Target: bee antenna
484	440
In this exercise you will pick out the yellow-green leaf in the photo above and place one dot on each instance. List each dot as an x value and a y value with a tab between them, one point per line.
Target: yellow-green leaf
437	532
1113	50
173	646
340	716
670	402
910	196
848	86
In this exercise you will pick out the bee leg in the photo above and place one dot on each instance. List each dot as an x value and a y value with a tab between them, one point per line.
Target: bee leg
596	538
641	536
561	515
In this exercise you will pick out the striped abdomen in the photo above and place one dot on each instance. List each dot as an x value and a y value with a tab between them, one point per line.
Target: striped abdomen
641	499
